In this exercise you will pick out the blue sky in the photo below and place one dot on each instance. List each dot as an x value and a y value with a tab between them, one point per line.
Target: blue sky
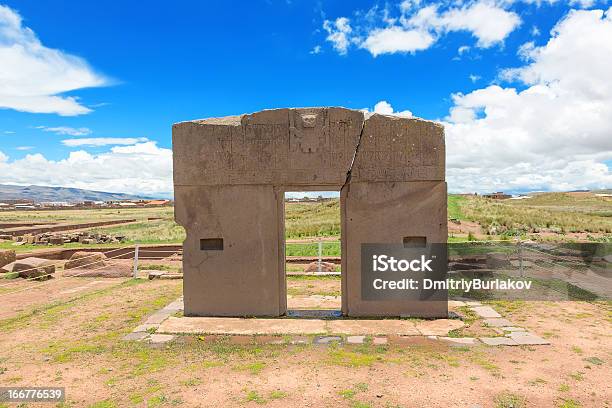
135	69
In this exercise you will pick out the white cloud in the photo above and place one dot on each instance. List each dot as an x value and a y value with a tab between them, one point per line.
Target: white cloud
385	108
33	77
338	33
24	147
474	77
463	49
397	39
9	132
316	50
418	28
104	141
65	130
552	134
142	168
582	3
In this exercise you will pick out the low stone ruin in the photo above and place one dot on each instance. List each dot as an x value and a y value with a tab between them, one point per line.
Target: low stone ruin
83	237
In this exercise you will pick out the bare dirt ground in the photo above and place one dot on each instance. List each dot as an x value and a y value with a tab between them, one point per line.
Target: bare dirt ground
74	340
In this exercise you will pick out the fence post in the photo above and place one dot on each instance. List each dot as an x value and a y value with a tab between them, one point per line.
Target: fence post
520	257
320	255
135	261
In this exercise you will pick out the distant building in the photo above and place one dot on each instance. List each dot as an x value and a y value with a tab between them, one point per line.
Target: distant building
500	195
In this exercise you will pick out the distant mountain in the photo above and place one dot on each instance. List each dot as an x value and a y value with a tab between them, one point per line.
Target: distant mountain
71	195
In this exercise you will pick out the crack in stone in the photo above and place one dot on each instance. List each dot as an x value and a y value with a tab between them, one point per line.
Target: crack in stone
348	173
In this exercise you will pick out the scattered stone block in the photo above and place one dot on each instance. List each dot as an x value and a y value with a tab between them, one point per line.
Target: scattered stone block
498	341
486	312
355	339
498	322
33	268
82	259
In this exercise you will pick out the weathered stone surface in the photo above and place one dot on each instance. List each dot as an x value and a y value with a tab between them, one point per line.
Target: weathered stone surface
6	257
34	268
230	175
83	259
379	341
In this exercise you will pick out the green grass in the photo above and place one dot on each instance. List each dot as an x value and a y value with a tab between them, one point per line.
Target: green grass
455	202
320	219
298	249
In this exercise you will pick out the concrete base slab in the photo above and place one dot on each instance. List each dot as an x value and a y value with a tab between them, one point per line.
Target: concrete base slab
379	341
270	326
373	327
235	325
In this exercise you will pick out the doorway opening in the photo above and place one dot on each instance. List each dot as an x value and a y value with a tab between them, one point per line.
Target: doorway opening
313	253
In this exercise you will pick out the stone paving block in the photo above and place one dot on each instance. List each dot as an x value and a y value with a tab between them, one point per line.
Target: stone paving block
473	303
379	341
158	317
175	306
513	329
355	339
499	322
498	341
327	339
136	336
146	326
161	338
460	341
486	312
456	303
527	339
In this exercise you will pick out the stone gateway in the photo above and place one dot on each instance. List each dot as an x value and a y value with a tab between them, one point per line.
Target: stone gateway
230	176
